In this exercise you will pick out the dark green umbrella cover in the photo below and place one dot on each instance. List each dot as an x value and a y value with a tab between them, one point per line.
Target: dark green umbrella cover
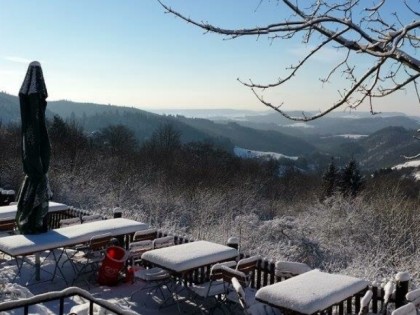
34	193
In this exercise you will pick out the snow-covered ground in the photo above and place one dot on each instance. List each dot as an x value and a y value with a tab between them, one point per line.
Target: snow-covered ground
347	136
299	125
26	286
249	154
410	164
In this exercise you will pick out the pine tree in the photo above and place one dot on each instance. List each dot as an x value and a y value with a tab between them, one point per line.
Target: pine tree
329	181
351	181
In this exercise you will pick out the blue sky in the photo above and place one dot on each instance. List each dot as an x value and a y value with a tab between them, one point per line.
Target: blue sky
132	53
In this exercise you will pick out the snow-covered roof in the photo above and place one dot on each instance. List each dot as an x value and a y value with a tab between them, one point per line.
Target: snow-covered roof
26	244
311	291
188	256
10	211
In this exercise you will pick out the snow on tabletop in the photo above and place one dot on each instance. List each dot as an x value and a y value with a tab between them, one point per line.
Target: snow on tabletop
25	244
408	309
188	256
402	276
10	211
311	291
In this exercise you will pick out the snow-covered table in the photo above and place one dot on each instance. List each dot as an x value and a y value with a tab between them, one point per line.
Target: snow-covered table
181	260
185	257
10	211
310	292
24	245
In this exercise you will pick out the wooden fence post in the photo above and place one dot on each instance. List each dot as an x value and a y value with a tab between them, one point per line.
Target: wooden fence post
402	278
117	213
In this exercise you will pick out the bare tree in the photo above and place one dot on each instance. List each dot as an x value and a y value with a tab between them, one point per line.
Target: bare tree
390	38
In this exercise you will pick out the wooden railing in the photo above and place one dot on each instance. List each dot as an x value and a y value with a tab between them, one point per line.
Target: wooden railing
265	275
55	217
60	297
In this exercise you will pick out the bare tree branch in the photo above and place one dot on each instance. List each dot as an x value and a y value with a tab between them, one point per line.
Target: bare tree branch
391	44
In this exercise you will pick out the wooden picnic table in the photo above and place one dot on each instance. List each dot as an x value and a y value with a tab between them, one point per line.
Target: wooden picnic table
311	292
180	259
20	246
10	210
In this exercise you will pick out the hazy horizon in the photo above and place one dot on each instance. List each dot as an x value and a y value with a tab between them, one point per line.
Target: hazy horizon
132	53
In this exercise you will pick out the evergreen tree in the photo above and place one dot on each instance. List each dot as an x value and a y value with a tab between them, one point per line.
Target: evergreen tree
351	181
330	180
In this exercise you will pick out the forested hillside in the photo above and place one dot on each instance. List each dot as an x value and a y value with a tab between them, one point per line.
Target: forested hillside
205	192
370	140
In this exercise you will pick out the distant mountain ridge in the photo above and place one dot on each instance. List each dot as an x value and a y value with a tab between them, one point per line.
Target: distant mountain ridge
384	138
96	116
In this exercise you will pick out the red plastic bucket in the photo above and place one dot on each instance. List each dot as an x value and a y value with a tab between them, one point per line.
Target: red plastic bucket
111	265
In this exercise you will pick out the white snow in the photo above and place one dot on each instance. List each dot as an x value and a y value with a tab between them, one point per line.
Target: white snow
10	211
249	260
347	136
299	125
71	235
311	292
12	292
402	276
187	256
408	309
412	163
6	192
249	154
388	290
291	267
366	298
233	240
116	296
414	297
146	302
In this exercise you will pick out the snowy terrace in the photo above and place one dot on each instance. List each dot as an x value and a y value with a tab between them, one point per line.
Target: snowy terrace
29	296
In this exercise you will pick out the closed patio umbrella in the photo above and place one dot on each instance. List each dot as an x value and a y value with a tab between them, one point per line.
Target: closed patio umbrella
34	193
